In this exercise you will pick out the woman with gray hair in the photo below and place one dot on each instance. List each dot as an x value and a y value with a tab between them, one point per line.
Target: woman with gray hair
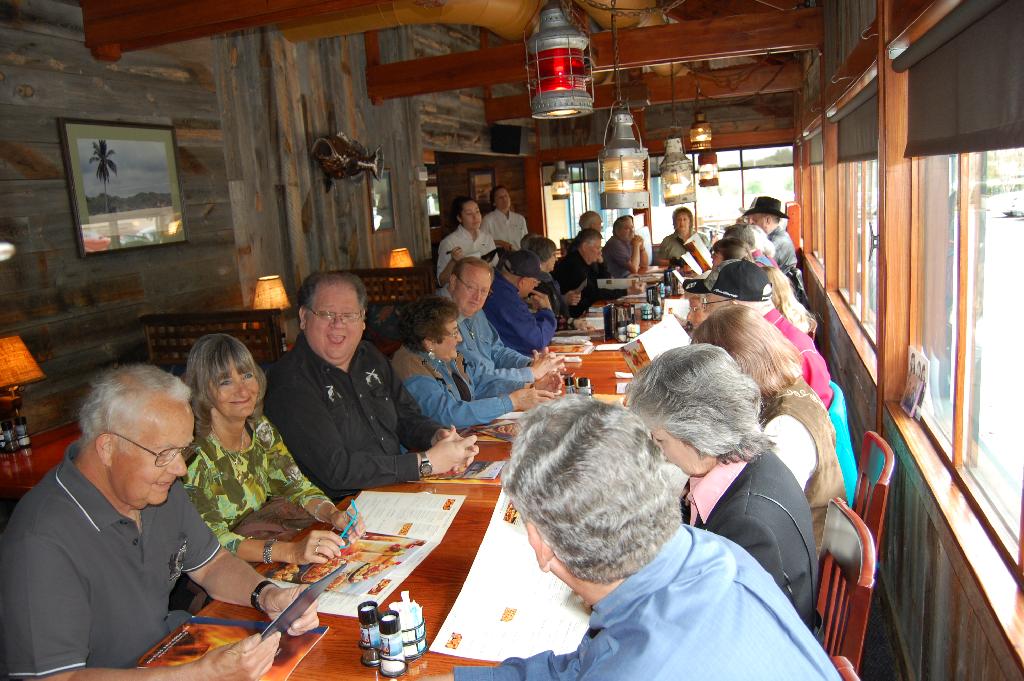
600	508
703	412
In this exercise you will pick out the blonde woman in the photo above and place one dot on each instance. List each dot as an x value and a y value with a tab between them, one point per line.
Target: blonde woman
792	414
786	303
242	460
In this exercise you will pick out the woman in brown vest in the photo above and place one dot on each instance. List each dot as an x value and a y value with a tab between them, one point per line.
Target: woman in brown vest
792	414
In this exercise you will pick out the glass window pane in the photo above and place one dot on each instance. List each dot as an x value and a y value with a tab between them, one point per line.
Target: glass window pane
993	454
726	159
818	209
937	178
777	182
768	156
870	246
721	205
844	246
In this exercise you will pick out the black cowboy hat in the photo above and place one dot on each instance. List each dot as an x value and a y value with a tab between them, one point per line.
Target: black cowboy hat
768	206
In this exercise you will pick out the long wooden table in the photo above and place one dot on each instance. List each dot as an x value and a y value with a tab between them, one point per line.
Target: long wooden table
436	582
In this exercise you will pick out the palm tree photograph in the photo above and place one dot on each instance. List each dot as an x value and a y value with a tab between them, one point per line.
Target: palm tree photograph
124	185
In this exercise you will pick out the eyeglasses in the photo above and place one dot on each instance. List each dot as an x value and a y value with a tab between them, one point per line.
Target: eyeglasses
165	456
474	289
703	303
457	333
342	317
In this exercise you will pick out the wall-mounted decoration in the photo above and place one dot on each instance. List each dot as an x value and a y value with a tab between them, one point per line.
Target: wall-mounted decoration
481	182
382	208
341	157
123	180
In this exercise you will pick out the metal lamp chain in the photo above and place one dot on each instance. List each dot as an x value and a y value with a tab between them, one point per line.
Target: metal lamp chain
615	57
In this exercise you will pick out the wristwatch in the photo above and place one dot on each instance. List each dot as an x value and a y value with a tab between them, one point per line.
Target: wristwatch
254	598
425	468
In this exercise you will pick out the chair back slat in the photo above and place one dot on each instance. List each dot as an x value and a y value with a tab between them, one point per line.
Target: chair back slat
847	581
876	465
845	668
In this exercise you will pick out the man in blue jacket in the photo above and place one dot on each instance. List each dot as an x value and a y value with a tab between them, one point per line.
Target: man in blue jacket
522	317
495	368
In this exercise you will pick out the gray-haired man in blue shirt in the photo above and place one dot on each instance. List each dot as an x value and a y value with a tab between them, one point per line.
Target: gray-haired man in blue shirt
665	597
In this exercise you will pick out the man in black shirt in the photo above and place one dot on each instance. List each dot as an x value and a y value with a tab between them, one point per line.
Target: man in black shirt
343	413
580	270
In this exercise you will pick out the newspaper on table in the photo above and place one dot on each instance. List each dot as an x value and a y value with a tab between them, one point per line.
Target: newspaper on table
401	530
508	607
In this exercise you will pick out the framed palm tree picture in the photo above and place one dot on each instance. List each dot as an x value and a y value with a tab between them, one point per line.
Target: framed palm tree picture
123	182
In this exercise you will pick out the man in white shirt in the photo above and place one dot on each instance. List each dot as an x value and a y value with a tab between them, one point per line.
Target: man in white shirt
506	227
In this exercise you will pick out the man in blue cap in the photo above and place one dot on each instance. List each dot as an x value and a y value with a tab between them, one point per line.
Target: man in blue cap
522	316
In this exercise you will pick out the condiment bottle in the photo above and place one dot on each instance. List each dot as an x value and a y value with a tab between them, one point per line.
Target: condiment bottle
392	650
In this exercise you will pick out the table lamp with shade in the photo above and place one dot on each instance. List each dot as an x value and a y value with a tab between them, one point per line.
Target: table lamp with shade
400	257
17	368
270	295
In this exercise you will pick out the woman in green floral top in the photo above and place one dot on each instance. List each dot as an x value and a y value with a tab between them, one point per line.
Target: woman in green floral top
242	460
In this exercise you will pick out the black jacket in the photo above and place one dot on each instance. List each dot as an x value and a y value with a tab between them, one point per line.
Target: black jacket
346	429
571	271
766	512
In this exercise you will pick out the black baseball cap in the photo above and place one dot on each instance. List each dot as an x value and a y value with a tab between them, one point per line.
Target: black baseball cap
736	279
523	263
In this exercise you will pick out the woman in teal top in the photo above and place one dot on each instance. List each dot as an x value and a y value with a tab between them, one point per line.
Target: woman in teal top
242	460
434	372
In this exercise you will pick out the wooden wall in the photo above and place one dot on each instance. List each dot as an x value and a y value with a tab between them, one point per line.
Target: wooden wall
77	314
277	97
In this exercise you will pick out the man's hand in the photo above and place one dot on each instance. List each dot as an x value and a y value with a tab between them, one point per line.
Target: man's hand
457	253
551	382
528	398
637	241
247	660
539	301
544	363
506	245
452	452
275	599
573	297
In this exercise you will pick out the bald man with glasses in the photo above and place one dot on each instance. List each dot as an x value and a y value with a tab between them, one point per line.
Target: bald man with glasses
90	556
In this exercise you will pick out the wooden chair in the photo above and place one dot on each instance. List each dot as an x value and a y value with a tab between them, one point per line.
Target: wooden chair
847	581
845	669
875	474
169	337
388	285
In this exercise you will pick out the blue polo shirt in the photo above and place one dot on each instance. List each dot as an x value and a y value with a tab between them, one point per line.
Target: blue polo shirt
702	609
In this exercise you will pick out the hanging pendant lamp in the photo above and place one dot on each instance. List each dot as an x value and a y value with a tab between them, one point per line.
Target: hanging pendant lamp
622	162
676	174
560	181
700	133
707	163
558	68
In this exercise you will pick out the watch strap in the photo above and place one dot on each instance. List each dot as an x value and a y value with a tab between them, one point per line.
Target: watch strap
268	547
254	599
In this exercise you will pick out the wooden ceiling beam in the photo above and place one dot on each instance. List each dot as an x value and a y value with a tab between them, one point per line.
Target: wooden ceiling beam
720	142
767	79
735	36
116	26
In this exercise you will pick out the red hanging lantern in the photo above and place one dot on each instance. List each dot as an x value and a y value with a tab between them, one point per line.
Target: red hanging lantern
558	68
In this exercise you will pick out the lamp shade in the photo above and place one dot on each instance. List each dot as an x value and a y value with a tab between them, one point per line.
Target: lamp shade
558	68
560	181
700	133
676	174
707	163
270	294
400	257
623	165
17	366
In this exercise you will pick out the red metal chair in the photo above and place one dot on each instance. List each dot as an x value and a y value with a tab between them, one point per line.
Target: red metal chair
876	467
845	669
847	581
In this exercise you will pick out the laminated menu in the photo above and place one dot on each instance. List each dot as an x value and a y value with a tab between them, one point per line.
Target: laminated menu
508	607
401	531
665	335
199	635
